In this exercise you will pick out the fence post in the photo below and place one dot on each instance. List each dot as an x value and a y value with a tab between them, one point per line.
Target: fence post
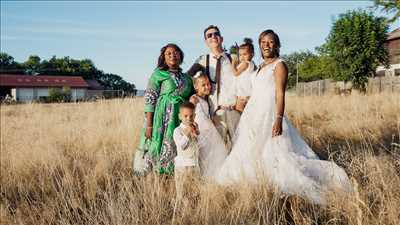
391	86
312	88
319	88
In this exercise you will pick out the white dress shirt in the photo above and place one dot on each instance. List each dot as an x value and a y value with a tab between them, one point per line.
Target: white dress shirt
186	147
227	94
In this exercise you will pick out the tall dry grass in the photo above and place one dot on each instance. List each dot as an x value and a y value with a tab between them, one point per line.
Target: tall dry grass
71	164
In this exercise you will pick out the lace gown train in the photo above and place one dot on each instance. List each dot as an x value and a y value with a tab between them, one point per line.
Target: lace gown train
286	162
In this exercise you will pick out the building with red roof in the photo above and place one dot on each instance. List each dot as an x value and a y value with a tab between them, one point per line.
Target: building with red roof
392	45
26	88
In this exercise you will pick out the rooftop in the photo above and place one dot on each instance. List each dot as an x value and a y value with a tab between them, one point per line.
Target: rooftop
12	80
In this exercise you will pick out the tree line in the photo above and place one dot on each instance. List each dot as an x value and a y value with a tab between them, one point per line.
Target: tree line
65	66
353	50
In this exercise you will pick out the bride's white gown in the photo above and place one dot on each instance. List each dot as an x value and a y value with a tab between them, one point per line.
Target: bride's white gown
286	162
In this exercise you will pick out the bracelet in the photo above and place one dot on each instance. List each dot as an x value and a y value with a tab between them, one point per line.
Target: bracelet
149	127
279	116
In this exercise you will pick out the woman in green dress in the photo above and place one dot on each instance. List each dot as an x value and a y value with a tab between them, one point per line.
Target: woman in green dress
167	88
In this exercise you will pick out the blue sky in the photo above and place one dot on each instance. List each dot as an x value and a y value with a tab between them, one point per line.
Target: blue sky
125	37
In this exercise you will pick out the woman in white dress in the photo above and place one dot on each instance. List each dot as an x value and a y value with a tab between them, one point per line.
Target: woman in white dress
268	148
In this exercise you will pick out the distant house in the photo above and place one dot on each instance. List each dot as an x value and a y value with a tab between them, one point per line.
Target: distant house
393	48
27	88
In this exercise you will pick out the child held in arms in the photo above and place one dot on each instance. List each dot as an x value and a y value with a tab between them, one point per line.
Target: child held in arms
244	70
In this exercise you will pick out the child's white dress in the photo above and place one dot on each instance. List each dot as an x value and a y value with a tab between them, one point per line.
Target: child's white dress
244	81
212	147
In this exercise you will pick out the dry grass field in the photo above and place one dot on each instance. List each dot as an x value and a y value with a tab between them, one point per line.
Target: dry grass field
71	164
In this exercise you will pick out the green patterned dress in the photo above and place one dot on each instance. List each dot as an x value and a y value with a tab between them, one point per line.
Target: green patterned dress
166	90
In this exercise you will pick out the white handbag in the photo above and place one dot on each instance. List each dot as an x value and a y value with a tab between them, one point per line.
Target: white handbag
139	162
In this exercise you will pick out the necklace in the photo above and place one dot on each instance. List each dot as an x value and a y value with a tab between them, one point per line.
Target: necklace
264	64
271	61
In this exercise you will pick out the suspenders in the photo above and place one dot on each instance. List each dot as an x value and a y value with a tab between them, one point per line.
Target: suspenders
217	76
208	66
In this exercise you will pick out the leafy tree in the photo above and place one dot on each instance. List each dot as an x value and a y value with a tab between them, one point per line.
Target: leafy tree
389	6
8	65
356	46
234	49
32	65
59	95
317	66
115	82
6	60
66	91
293	61
66	66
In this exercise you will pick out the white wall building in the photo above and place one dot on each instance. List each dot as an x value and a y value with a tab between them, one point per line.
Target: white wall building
26	88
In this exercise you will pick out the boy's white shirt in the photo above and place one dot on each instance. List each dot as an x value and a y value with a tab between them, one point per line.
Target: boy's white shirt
187	148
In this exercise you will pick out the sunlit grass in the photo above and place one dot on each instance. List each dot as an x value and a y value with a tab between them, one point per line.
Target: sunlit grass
71	164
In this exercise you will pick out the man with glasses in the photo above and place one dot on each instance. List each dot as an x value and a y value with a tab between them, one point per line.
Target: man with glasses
217	66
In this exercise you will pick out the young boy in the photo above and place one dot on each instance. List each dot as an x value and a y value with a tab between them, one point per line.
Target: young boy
187	159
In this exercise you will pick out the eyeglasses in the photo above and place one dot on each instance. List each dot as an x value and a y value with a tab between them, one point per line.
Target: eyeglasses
210	35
